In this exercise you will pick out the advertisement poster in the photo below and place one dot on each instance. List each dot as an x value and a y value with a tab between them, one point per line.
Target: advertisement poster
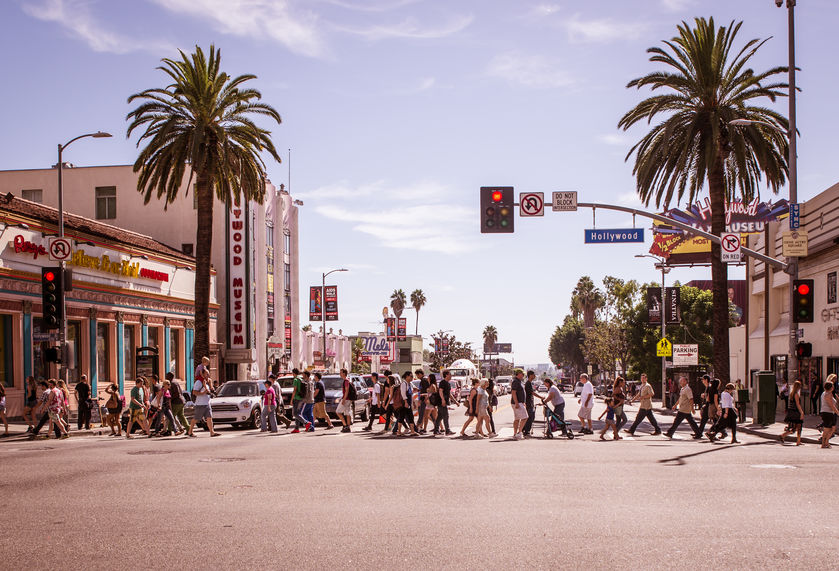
330	298
402	329
390	328
673	306
315	303
654	305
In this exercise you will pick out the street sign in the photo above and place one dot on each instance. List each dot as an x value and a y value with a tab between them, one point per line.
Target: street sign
614	236
664	348
794	216
794	244
685	355
565	201
59	249
532	204
730	247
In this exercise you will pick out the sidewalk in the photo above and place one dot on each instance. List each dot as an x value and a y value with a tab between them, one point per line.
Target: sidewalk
17	431
809	434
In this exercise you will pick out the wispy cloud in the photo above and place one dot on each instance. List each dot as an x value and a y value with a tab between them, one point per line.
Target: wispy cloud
529	70
275	20
75	17
435	224
375	6
616	139
410	28
676	5
602	30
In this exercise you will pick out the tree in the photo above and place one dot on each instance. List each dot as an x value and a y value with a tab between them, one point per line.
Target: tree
417	300
358	365
490	335
565	344
707	88
202	121
457	350
586	299
397	302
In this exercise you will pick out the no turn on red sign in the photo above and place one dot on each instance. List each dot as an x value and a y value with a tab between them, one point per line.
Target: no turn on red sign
532	204
730	247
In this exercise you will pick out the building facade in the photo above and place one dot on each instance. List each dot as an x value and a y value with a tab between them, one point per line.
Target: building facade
820	219
128	291
254	254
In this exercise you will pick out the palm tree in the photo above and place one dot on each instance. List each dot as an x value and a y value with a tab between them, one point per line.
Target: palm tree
708	86
586	299
202	121
490	337
417	300
398	302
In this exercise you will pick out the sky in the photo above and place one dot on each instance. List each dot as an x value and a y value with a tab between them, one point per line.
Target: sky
395	112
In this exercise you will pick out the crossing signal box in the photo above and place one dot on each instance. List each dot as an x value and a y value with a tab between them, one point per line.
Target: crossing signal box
497	209
804	350
52	296
803	300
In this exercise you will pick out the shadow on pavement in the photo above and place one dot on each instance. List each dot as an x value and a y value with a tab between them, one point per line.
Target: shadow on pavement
680	460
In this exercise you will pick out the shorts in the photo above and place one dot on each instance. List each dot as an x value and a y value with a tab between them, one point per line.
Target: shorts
138	415
113	411
585	412
55	415
202	412
520	412
828	419
320	410
30	403
344	408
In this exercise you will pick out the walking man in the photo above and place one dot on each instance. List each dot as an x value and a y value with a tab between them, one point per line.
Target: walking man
320	401
201	389
297	401
269	408
517	400
423	399
444	390
373	396
83	398
645	407
529	404
586	402
137	408
685	410
308	402
344	409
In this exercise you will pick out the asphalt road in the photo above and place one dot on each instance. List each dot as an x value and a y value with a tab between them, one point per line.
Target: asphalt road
308	501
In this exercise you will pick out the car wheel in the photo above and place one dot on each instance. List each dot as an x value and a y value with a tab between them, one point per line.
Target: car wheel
255	420
365	414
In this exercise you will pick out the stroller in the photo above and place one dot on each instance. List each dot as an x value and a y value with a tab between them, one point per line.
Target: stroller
554	423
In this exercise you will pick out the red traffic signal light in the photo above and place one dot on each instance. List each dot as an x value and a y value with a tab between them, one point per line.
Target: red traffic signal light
497	196
803	289
49	276
803	301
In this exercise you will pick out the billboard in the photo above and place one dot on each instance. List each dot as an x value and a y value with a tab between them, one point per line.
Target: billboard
680	247
736	295
330	298
374	346
315	303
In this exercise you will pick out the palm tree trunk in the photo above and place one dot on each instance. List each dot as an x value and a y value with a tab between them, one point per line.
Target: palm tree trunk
719	274
416	327
203	255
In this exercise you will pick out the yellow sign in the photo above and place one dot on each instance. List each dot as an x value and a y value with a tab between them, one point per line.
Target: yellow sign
794	244
664	348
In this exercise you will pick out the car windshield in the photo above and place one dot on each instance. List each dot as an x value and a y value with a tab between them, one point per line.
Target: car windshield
333	383
286	382
459	372
238	390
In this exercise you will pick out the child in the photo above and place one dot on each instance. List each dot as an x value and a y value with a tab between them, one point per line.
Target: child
610	421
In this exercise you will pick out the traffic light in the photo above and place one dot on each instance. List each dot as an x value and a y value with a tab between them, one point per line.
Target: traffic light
802	301
52	355
804	350
497	209
52	296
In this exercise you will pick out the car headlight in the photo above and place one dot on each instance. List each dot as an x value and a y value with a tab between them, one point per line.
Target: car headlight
246	403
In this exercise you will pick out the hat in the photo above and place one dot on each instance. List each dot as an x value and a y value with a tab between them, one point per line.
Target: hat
272	376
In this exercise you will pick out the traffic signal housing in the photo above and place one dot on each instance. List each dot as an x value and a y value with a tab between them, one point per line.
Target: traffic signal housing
497	210
52	296
803	301
804	350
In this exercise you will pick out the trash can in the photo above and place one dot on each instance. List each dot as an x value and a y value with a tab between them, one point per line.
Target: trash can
765	397
742	401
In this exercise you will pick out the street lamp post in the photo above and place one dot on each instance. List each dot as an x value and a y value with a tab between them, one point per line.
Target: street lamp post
664	270
323	308
62	333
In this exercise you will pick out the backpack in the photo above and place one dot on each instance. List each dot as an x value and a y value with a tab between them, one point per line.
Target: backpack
434	399
301	391
397	400
352	393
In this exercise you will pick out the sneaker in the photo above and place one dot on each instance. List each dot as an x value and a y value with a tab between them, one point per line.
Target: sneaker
449	433
366	429
519	436
295	431
308	426
656	433
310	429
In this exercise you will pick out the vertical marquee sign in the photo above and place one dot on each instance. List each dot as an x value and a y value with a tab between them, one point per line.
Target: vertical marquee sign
239	290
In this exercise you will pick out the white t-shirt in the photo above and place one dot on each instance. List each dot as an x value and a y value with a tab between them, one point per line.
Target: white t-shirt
588	390
201	400
726	400
555	397
377	390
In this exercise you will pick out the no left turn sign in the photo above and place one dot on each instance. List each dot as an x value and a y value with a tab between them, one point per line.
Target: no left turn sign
730	247
532	204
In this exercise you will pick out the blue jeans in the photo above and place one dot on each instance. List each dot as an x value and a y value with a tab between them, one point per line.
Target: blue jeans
299	421
531	416
307	415
269	418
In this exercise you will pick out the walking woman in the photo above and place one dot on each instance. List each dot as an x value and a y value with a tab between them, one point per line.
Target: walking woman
387	401
727	416
795	414
618	399
30	402
65	392
471	407
114	407
493	403
829	410
178	402
483	410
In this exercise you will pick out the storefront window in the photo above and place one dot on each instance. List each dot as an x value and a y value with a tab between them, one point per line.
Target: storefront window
174	353
128	352
103	343
154	337
6	351
74	332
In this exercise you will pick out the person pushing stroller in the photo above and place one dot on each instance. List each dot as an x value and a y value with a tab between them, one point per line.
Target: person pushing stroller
554	397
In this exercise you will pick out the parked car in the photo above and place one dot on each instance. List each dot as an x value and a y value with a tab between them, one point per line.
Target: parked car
334	386
539	386
566	385
578	389
238	403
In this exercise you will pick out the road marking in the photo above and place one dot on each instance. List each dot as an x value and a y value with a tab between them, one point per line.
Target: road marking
774	466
